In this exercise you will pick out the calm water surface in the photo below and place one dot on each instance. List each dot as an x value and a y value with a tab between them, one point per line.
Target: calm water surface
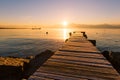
26	42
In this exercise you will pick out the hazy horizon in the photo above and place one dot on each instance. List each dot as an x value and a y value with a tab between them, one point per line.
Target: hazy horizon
60	26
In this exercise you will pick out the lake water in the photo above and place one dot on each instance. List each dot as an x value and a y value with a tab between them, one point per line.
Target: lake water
26	42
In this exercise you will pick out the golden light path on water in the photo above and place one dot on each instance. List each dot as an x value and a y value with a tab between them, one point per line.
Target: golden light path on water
65	34
65	30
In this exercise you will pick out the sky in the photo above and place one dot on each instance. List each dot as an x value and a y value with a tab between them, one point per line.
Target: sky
41	12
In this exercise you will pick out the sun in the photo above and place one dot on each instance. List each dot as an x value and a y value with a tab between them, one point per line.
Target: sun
65	23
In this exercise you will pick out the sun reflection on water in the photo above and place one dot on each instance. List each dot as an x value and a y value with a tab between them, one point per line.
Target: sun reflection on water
65	33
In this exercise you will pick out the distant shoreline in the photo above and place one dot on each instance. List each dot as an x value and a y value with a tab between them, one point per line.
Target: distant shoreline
15	28
92	27
99	26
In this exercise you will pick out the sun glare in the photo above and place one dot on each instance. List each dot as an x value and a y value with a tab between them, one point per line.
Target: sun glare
65	23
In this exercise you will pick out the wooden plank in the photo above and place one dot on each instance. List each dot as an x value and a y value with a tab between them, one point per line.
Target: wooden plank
75	72
81	63
90	45
56	76
79	56
34	77
81	46
77	44
100	61
76	77
91	55
79	49
81	67
77	35
80	77
78	39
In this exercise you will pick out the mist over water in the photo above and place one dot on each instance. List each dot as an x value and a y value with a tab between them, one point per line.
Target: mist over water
26	42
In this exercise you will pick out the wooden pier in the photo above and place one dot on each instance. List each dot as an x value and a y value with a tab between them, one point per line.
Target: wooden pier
77	59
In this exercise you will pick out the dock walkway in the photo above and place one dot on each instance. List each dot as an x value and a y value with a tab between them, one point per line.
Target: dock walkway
77	59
